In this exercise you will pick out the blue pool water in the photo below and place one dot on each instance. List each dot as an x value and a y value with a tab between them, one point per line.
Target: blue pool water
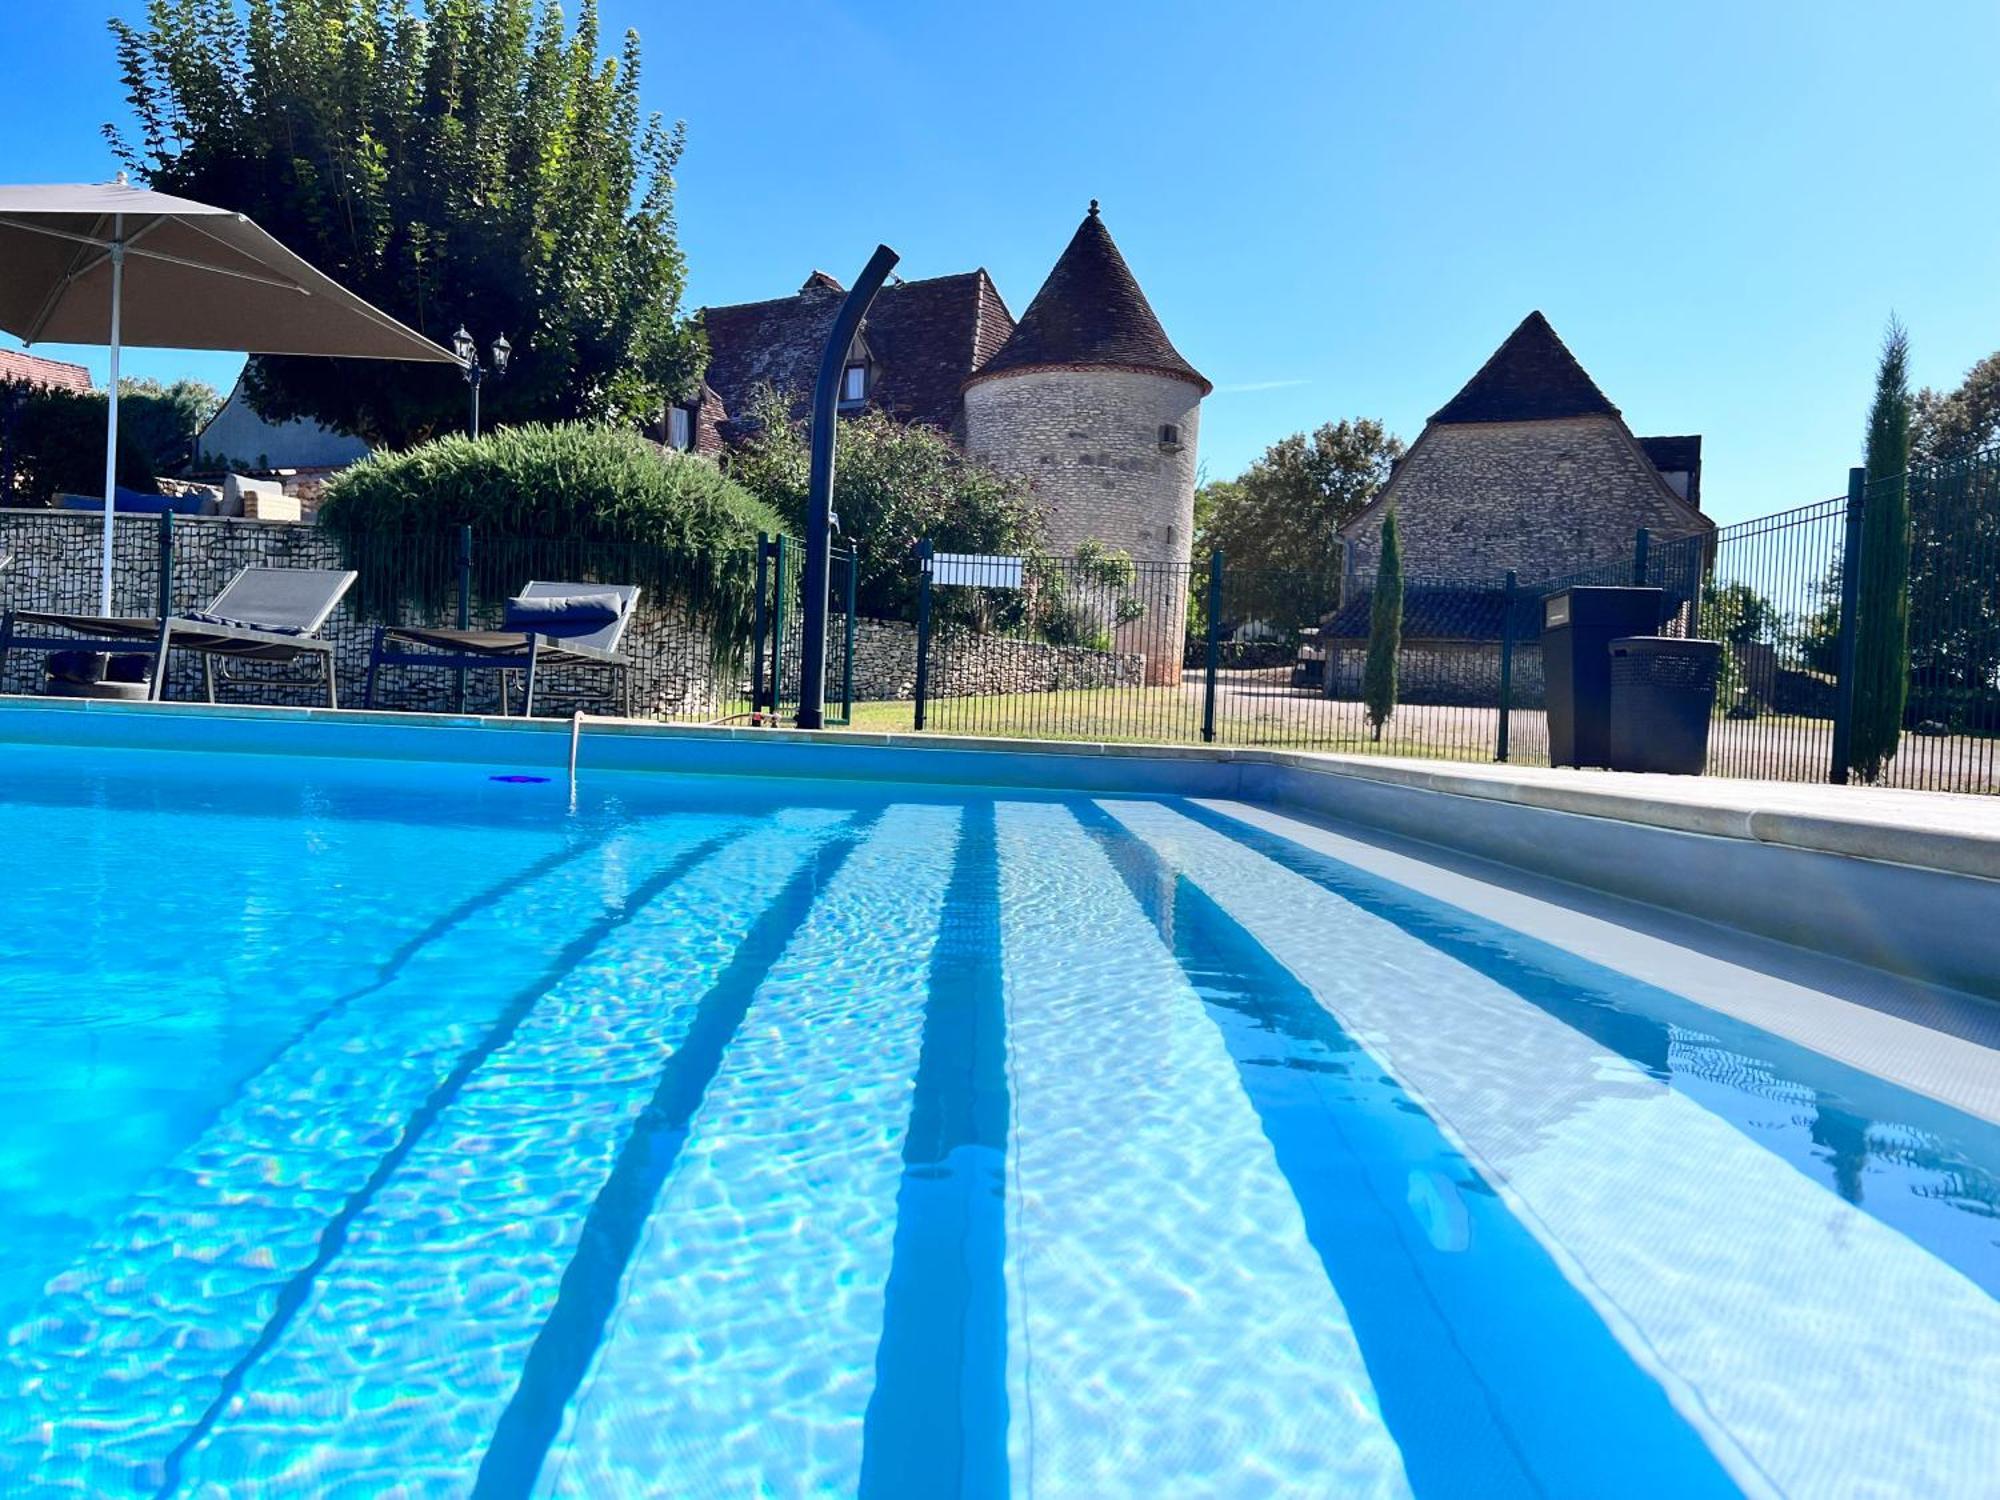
377	1128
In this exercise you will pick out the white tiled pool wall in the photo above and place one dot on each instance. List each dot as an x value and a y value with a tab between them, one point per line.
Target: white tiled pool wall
1908	913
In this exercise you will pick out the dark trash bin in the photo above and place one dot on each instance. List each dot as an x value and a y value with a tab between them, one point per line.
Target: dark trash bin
1662	698
1578	627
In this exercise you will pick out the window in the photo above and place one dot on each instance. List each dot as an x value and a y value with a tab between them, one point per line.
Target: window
680	428
1170	437
854	385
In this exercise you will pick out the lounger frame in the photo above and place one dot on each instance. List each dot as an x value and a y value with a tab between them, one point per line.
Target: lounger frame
508	652
159	638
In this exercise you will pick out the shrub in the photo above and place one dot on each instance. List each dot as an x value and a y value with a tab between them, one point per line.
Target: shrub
163	420
893	486
560	485
1084	602
53	445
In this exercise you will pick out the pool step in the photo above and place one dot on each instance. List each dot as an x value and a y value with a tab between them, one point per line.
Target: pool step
130	1347
1672	1221
1165	1316
1496	1376
749	1313
407	1345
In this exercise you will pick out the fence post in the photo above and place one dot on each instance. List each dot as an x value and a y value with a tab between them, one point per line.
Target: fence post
464	610
777	623
1214	645
1850	628
1641	545
1507	667
923	628
847	671
760	623
166	563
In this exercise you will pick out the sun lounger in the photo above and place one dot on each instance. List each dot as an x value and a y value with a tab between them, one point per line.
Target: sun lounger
546	625
265	614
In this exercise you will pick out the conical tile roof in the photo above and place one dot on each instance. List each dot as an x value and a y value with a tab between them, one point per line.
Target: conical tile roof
1090	313
1532	377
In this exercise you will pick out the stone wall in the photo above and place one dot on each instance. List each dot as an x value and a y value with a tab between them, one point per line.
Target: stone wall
55	568
1543	498
1089	442
963	664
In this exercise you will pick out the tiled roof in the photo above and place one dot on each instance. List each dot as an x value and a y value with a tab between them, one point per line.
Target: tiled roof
50	374
1532	377
1091	313
925	338
1446	612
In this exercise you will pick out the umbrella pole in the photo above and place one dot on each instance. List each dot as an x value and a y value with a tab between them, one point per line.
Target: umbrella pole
111	425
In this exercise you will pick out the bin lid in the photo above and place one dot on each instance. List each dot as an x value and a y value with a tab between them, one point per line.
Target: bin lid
1664	645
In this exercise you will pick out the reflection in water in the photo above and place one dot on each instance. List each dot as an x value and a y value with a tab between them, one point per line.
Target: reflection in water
1933	1172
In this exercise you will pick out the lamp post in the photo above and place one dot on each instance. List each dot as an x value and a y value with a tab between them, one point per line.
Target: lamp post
467	349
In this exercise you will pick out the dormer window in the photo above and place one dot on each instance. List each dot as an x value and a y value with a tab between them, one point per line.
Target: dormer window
680	428
854	384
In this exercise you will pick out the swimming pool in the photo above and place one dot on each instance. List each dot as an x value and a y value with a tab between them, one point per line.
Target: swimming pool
372	1126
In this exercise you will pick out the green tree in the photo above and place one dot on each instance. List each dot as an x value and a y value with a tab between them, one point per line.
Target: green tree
1083	599
1882	654
163	419
1281	514
1740	617
481	165
1816	638
1385	630
1955	424
1955	549
894	486
52	443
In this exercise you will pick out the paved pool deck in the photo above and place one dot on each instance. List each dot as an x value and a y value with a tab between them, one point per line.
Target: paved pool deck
1935	830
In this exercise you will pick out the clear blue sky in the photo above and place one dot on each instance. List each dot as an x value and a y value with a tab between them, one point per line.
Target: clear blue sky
1336	209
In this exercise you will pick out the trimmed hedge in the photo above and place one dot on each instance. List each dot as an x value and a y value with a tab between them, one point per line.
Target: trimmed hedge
670	522
574	481
54	445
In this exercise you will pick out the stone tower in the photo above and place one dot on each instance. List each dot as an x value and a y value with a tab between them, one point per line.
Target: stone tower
1090	400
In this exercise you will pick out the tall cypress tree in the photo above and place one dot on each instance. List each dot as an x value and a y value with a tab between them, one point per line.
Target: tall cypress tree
1385	630
1882	645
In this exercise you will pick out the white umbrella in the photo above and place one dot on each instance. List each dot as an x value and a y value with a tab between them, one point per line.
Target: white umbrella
108	263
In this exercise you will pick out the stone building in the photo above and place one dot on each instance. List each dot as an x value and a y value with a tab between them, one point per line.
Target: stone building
1529	467
1090	401
1085	396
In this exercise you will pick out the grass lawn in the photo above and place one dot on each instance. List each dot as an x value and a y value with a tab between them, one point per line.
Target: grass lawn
1246	715
1257	709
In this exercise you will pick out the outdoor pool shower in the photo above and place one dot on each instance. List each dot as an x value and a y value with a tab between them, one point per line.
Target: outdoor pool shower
819	489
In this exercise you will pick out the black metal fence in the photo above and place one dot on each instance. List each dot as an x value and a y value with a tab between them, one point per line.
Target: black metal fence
1204	652
1097	647
1088	648
1951	714
1769	590
778	633
693	648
